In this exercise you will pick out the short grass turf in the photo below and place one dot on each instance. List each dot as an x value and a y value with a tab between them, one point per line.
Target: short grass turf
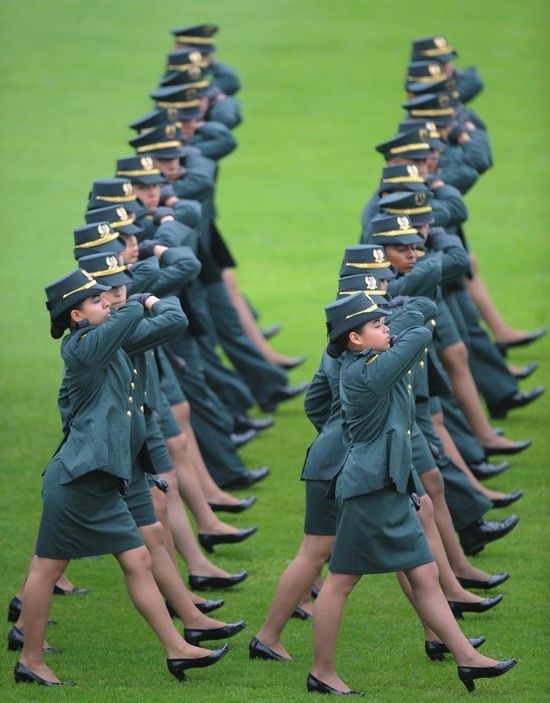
322	85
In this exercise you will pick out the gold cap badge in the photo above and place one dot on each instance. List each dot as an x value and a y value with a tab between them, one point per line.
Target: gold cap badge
147	163
378	255
403	222
370	282
103	230
127	188
112	262
420	198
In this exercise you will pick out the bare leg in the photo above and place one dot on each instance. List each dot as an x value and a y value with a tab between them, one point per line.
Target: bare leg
191	490
37	596
212	492
501	330
136	566
327	616
455	360
433	483
247	320
169	581
455	456
296	580
435	612
184	537
429	635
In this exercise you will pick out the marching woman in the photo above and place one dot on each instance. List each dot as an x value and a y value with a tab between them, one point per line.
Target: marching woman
378	530
84	513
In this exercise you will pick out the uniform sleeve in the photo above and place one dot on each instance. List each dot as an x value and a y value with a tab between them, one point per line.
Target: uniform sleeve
98	345
178	266
478	151
386	369
405	317
145	275
455	261
318	400
174	234
454	202
214	140
226	111
455	171
197	182
165	321
440	212
422	280
226	78
468	83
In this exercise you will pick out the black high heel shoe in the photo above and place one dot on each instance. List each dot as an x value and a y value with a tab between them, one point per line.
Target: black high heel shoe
259	650
208	541
492	582
507	499
16	640
196	636
58	591
208	606
458	607
243	504
178	667
22	674
300	613
14	611
203	583
314	685
467	674
437	650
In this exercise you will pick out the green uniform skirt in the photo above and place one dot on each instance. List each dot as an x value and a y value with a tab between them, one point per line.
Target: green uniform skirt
377	533
85	517
139	500
320	512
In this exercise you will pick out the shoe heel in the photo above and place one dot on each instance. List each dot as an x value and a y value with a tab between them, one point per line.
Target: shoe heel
206	544
470	684
437	657
13	646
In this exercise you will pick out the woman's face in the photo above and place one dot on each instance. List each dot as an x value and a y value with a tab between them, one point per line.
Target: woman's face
94	309
402	256
170	168
131	253
116	296
374	334
149	195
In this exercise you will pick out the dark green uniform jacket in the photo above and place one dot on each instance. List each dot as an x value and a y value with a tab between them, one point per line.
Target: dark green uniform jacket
98	378
378	413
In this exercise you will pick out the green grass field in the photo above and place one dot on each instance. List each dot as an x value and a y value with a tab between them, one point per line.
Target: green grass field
322	84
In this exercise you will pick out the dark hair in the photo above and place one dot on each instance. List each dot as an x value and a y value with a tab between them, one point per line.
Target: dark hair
338	346
63	322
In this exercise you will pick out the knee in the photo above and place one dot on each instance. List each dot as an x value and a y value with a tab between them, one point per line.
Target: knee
136	563
426	512
153	536
177	447
315	552
426	575
456	356
433	483
159	502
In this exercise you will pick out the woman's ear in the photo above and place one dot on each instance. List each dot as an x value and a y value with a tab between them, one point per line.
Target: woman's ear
76	315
